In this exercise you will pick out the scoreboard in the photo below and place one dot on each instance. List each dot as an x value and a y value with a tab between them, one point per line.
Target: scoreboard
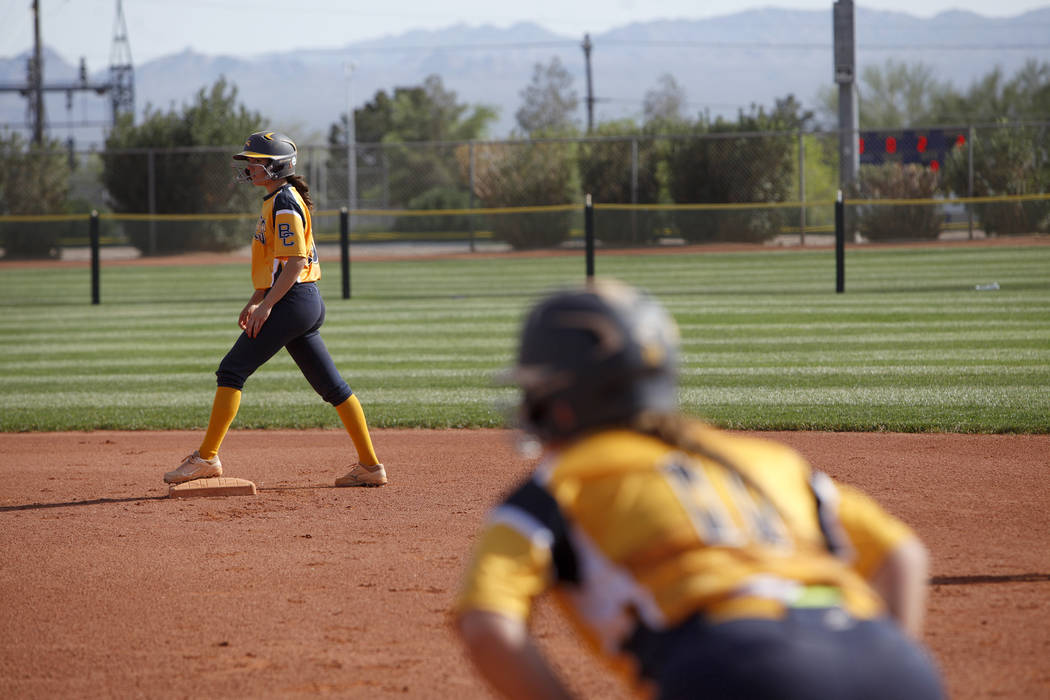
928	147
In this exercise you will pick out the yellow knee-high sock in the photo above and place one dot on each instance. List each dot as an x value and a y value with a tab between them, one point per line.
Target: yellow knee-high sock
223	411
353	417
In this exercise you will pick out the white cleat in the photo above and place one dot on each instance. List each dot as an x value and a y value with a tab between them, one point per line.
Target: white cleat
361	475
194	467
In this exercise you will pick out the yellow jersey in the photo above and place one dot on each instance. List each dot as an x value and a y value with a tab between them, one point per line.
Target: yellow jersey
284	230
628	530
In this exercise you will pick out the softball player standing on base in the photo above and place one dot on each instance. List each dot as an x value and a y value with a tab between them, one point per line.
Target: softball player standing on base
698	563
285	311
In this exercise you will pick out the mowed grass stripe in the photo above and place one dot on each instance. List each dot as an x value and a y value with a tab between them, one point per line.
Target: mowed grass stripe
744	344
474	373
273	397
1035	355
765	343
435	378
466	332
109	365
693	397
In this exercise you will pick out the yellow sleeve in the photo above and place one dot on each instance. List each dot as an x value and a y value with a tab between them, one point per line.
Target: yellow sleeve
507	571
872	531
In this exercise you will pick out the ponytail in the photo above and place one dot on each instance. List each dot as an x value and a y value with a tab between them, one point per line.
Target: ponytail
299	183
685	434
672	428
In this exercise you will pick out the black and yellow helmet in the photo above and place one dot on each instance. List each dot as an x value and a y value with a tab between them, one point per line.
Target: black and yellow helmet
278	149
595	357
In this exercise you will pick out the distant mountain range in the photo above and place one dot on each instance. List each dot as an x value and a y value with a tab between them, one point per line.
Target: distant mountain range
723	64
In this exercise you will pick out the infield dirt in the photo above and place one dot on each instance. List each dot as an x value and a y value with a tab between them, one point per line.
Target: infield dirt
112	589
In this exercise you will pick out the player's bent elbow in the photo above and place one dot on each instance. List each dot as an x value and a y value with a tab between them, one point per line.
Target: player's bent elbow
481	629
902	580
501	650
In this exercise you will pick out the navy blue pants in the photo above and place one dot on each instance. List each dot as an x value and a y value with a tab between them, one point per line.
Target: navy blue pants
812	653
294	323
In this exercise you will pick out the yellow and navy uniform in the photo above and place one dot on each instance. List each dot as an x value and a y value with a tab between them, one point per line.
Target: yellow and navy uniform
632	533
284	230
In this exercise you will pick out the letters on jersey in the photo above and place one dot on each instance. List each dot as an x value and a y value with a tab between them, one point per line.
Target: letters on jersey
284	230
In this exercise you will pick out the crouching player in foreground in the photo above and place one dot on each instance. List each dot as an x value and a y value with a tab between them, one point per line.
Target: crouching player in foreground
698	563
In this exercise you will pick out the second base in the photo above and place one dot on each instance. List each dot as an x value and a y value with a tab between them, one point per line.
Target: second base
215	486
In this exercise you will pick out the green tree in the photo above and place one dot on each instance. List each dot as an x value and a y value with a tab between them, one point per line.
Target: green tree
414	126
184	177
983	101
1032	84
375	119
665	103
894	95
994	98
898	95
34	180
1008	158
548	101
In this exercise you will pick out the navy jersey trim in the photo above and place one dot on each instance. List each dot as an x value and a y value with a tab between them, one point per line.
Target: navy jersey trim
285	200
826	497
535	500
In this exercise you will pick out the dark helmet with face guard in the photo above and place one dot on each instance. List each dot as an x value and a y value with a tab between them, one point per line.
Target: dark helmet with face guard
278	150
593	358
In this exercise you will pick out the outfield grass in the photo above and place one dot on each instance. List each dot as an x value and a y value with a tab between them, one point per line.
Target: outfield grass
910	346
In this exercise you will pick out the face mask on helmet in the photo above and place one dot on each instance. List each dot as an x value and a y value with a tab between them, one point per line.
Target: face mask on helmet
595	358
277	151
275	169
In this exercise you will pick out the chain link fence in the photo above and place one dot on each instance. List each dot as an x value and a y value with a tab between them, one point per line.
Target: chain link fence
758	188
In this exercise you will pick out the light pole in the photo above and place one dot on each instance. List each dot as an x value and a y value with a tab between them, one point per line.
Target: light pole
845	50
587	46
351	147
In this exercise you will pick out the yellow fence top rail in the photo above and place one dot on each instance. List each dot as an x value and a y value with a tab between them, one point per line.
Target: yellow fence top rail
706	206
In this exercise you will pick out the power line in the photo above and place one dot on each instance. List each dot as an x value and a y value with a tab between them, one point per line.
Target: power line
685	103
721	45
462	47
810	46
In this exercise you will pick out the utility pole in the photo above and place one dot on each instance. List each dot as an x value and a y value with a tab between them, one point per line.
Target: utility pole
121	86
351	146
845	50
590	87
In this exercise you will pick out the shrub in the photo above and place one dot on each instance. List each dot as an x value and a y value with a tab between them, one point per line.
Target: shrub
435	199
882	222
34	180
1007	160
718	170
607	172
525	175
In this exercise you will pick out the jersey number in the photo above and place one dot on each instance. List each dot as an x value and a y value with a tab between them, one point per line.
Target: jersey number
758	521
285	233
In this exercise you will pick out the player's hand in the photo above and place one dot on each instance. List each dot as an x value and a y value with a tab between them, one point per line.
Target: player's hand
242	320
256	318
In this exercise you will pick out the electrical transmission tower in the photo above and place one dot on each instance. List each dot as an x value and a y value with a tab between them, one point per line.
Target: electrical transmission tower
120	87
121	70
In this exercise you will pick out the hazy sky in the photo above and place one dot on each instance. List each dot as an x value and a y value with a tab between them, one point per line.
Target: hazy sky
85	28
